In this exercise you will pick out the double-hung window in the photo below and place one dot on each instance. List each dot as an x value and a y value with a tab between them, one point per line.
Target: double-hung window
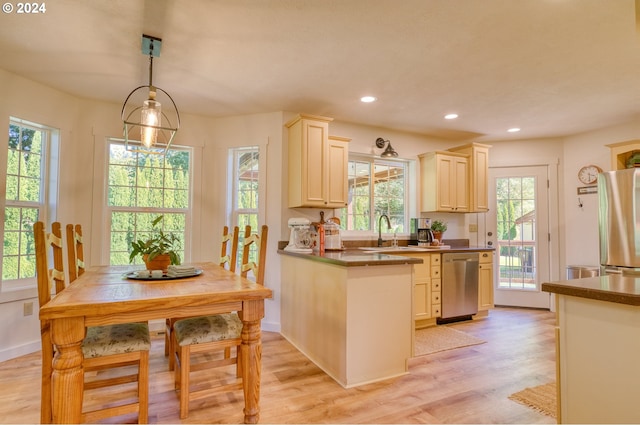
27	198
141	187
376	186
243	195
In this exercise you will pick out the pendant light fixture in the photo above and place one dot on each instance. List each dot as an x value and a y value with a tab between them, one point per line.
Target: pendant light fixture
148	128
388	152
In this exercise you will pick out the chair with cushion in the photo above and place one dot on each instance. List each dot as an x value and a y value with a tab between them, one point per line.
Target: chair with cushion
210	334
104	347
228	256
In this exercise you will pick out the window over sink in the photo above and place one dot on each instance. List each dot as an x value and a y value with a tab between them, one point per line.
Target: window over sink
376	186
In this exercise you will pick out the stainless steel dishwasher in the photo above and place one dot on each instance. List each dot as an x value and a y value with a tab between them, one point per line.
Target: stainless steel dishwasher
459	286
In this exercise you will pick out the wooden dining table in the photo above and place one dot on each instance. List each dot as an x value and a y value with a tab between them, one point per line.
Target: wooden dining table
104	295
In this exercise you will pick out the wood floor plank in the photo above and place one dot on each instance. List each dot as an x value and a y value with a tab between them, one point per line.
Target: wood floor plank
465	385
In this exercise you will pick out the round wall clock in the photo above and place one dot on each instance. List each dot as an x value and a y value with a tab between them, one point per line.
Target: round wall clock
589	174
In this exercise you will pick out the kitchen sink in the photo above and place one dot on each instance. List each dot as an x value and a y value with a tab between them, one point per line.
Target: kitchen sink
396	248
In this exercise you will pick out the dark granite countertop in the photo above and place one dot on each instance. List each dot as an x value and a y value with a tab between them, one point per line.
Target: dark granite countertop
354	257
611	288
370	257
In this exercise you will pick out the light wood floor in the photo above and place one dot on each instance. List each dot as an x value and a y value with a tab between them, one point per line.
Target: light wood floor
465	385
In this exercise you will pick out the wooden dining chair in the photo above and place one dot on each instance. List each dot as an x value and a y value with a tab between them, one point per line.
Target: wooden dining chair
104	347
75	251
228	257
229	249
215	333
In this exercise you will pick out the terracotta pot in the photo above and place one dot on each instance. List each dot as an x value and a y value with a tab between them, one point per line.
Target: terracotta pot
438	236
161	262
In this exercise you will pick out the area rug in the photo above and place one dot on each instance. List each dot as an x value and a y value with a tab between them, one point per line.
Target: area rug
441	338
541	398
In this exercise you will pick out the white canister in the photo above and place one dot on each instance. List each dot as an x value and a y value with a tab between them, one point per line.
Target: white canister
332	238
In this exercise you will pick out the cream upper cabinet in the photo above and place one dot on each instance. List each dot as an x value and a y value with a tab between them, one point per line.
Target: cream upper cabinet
337	178
317	164
478	175
621	152
444	181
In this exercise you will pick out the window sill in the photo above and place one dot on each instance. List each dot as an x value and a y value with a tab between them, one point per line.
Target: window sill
18	294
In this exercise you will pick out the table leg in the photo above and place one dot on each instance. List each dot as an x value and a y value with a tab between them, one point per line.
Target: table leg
68	374
251	358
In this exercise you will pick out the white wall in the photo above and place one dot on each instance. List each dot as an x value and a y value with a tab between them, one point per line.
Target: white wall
22	99
85	124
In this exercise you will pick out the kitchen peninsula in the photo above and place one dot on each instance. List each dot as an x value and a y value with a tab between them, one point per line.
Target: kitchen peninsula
350	312
597	345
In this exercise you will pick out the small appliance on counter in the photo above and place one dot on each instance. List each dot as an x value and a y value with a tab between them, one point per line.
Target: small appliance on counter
300	236
421	231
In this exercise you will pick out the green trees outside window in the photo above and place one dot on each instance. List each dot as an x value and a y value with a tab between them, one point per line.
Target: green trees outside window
141	187
376	187
24	199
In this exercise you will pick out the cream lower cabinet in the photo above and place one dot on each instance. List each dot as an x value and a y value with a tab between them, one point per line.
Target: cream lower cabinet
485	281
317	164
426	289
444	182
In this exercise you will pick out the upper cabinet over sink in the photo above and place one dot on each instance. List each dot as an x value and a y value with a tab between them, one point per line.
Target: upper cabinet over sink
317	164
455	180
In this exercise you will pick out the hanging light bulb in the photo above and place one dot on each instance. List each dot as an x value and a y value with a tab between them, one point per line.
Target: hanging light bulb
150	118
148	135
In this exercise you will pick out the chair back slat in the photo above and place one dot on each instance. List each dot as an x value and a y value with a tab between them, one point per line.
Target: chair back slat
75	251
260	240
229	254
54	277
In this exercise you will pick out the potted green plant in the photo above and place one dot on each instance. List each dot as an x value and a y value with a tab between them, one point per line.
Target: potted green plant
159	250
438	228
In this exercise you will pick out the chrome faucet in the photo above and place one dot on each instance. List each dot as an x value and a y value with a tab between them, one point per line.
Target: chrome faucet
386	217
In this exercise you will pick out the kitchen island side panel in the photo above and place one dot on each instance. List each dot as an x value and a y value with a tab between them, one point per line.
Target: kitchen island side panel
353	322
599	352
380	322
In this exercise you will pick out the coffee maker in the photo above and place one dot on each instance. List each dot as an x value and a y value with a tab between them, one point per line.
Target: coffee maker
421	231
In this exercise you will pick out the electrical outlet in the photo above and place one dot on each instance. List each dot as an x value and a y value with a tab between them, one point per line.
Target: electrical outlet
28	308
473	227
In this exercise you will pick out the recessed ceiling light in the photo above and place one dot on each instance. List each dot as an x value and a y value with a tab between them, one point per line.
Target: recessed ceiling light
368	99
513	130
451	116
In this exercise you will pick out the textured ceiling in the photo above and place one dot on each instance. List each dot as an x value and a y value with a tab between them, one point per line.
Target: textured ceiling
551	67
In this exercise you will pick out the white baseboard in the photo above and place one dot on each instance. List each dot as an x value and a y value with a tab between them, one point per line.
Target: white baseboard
13	352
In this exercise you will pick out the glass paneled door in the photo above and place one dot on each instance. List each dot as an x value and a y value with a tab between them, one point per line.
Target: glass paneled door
520	221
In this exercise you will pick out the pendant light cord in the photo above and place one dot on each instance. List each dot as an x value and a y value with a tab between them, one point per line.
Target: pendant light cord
151	69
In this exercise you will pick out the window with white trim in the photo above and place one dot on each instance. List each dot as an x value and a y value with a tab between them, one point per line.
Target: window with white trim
243	197
26	199
376	186
141	187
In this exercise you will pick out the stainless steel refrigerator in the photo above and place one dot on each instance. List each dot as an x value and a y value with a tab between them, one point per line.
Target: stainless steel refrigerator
619	221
